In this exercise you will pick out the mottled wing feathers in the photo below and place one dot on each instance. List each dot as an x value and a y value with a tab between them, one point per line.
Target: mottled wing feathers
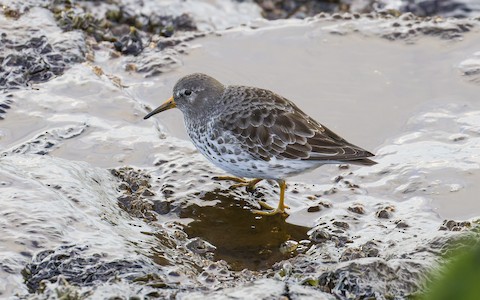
268	125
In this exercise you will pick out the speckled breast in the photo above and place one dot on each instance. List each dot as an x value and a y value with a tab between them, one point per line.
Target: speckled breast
227	153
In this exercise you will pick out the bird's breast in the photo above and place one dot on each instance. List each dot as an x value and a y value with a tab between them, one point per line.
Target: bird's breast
225	151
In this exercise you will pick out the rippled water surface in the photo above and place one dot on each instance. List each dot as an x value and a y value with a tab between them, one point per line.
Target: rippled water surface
90	191
376	93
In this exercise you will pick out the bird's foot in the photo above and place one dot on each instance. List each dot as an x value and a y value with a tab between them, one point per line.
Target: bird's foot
265	205
272	212
270	209
250	184
230	178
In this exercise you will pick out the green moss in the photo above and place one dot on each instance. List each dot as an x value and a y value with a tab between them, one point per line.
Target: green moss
310	282
458	279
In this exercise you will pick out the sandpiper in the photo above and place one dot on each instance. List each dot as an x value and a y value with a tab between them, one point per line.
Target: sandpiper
254	133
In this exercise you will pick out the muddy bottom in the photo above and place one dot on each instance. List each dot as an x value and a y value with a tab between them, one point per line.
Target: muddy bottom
244	240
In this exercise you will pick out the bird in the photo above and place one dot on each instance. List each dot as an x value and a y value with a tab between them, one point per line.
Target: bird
254	133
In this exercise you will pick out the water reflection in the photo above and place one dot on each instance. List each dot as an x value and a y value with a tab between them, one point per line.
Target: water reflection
243	239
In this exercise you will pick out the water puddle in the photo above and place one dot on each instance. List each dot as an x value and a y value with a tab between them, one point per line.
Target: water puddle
242	239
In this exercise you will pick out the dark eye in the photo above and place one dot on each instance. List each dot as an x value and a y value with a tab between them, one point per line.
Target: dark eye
187	92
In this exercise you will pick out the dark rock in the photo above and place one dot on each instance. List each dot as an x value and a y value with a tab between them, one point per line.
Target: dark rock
31	61
361	278
80	268
319	235
130	44
358	209
340	224
384	214
199	246
401	224
161	207
451	225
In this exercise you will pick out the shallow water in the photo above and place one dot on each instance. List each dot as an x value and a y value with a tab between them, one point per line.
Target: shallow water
372	96
166	227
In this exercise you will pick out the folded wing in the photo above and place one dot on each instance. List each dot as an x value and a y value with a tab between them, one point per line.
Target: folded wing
268	125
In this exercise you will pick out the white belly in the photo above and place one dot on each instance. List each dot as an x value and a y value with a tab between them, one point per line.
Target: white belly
234	160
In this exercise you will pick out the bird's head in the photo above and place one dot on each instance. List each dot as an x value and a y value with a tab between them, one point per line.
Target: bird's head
193	94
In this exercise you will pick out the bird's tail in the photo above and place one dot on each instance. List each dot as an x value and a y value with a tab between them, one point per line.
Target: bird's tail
362	162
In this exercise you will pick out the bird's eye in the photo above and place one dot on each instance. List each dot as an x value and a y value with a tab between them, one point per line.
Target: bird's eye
187	92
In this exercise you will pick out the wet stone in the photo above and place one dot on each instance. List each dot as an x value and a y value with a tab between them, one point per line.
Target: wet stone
326	204
345	10
199	246
167	190
46	142
217	271
331	191
401	224
319	236
123	186
358	209
130	44
109	26
5	103
341	240
451	225
351	254
77	267
340	224
135	186
148	193
350	184
446	8
470	69
152	23
35	58
385	213
288	246
442	29
360	278
315	208
161	207
128	31
338	178
408	29
281	9
458	137
370	249
152	279
125	201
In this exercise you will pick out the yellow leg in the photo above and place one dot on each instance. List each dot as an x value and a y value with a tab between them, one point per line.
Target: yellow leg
231	178
250	184
265	205
281	204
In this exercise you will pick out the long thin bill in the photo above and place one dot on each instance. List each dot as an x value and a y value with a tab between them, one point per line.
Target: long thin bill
170	103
